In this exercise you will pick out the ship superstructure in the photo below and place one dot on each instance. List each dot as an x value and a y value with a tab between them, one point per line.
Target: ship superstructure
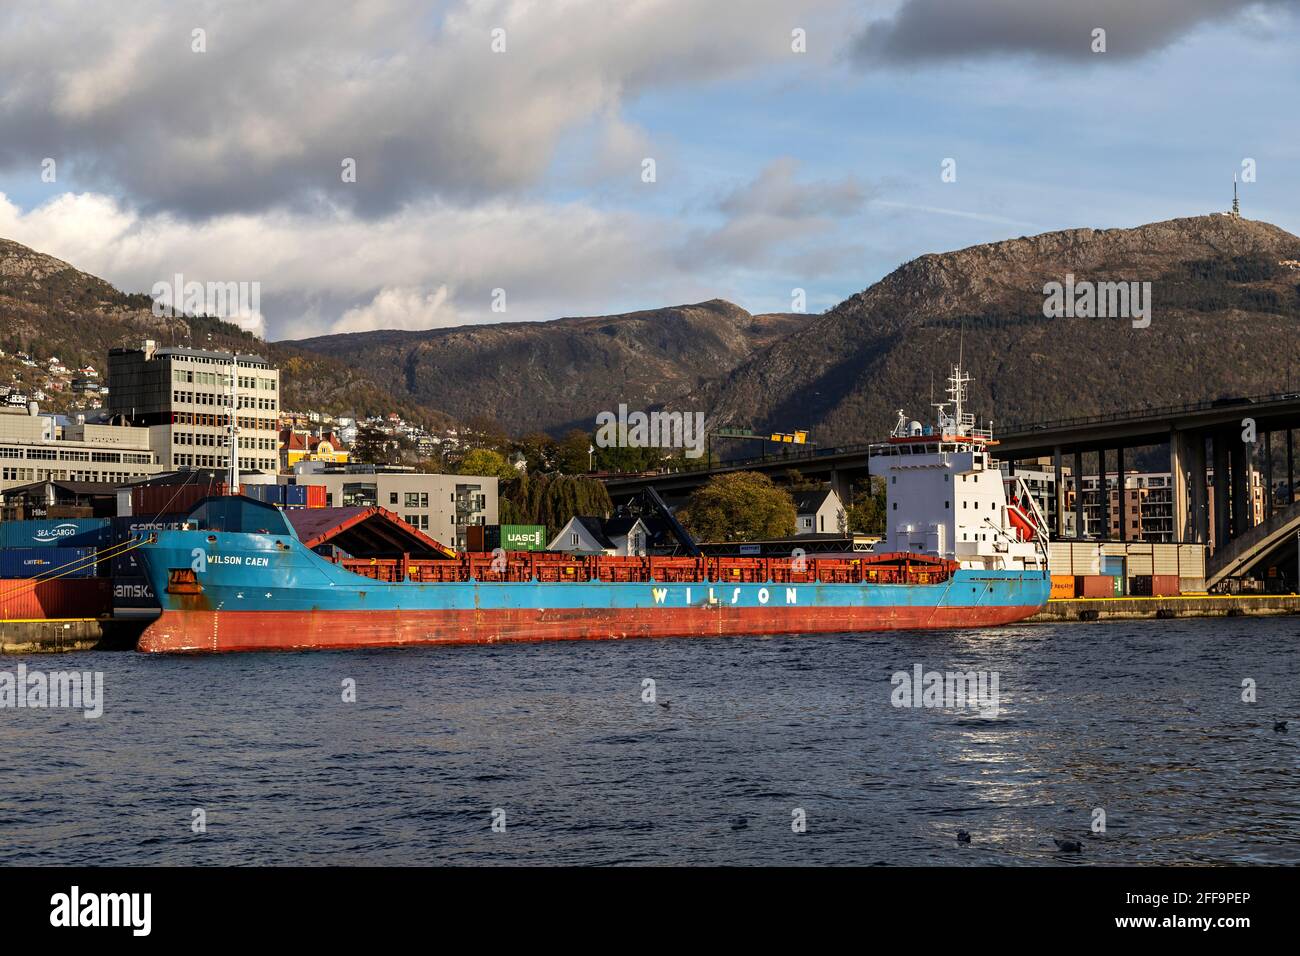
947	497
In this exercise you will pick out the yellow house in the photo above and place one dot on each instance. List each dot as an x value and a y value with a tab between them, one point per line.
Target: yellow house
296	447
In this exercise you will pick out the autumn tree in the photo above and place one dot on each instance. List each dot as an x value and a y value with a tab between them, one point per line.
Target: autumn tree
742	506
867	513
487	463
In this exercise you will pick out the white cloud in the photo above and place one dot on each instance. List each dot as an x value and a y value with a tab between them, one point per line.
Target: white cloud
285	92
400	308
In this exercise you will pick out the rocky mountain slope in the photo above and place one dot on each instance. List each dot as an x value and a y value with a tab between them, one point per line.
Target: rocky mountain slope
1225	300
48	307
557	375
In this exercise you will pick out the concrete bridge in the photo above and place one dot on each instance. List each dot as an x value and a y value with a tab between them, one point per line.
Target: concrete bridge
1211	465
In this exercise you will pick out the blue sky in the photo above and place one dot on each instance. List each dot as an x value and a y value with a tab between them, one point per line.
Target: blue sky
522	171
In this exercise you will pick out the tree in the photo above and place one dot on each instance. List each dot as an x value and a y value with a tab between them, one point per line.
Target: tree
540	450
624	458
572	456
551	500
484	432
742	506
487	463
867	513
373	447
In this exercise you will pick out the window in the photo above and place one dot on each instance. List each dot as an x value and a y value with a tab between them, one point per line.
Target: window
412	499
392	497
573	539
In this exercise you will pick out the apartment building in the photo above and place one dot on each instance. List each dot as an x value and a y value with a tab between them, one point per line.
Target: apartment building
185	397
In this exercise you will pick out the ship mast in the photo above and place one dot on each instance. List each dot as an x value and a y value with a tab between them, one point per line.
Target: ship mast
231	428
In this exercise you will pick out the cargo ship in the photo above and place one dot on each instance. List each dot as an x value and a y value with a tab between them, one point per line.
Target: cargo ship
964	547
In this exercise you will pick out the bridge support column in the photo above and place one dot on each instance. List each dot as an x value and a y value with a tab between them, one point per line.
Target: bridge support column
842	487
1179	452
1060	492
1223	438
1103	496
1199	531
1268	475
1119	490
1240	488
1290	471
1078	494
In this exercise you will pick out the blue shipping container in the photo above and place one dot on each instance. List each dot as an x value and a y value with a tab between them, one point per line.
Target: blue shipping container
47	562
55	533
126	564
295	496
125	527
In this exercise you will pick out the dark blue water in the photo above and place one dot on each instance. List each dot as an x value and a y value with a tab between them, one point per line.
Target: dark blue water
1144	720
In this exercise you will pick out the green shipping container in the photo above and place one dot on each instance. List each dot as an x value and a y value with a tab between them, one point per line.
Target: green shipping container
523	537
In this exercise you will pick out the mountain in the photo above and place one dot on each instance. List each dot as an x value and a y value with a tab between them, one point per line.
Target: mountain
1225	299
557	375
49	308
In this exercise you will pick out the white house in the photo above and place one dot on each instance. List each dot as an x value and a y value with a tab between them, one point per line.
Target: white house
820	512
588	535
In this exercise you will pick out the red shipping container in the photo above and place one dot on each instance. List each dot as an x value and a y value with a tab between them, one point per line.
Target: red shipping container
150	500
1165	585
475	538
1095	585
316	496
54	599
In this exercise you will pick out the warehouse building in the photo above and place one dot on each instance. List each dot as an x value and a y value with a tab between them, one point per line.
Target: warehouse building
38	448
442	506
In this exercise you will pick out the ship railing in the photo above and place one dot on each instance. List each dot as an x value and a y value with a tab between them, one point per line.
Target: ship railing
555	567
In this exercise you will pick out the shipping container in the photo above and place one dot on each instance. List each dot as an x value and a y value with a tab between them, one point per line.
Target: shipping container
1140	585
63	533
295	496
44	562
476	538
1096	586
127	526
1165	585
148	501
521	537
59	599
133	591
316	496
1062	587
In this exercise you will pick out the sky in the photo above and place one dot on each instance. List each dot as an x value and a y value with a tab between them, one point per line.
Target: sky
521	160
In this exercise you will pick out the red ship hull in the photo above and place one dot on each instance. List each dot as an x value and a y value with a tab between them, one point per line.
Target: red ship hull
212	631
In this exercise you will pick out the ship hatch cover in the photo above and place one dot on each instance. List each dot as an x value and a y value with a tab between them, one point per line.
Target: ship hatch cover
364	532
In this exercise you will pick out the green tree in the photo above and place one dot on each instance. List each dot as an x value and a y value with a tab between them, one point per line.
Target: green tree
488	463
742	506
551	500
572	456
623	458
540	450
374	447
867	513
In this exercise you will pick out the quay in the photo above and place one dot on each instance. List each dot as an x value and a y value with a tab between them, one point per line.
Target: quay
1185	605
59	636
